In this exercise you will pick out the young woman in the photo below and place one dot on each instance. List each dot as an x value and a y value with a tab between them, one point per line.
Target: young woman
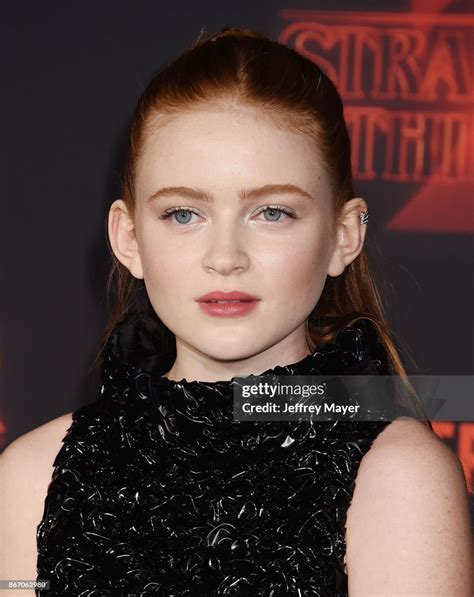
239	250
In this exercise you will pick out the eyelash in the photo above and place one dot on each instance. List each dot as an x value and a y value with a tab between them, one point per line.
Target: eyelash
169	212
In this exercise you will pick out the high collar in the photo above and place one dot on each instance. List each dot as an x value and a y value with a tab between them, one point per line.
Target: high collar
132	373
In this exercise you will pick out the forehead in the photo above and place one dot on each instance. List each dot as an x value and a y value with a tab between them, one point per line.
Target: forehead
227	144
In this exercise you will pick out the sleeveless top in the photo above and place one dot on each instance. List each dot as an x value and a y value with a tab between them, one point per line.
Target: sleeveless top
156	490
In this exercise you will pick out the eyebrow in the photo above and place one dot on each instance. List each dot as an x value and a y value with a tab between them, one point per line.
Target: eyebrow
244	194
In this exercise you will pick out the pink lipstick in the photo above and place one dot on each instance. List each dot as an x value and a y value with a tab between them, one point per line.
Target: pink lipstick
227	304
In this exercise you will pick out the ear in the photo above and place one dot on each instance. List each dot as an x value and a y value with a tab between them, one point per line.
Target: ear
123	239
350	235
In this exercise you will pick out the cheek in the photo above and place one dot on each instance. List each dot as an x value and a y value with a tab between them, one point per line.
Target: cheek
296	266
167	266
294	278
167	278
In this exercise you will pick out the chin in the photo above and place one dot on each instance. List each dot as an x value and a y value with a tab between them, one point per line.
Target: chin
235	350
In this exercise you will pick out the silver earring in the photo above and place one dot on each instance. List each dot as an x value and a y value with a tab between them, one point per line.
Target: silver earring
364	217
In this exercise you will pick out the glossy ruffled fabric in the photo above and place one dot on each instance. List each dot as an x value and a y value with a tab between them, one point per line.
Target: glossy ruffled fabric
158	491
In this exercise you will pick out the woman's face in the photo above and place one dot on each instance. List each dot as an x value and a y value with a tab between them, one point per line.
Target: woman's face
281	255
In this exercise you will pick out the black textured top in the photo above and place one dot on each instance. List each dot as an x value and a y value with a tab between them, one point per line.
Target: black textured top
158	491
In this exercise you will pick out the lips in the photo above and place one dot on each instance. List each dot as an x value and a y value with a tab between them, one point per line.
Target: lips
214	306
218	296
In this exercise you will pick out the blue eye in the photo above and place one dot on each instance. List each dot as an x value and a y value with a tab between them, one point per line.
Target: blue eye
182	212
276	210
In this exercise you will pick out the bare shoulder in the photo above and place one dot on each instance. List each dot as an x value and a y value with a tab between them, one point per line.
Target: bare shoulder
408	525
43	439
26	467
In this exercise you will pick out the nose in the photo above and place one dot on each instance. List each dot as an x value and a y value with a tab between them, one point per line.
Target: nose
225	251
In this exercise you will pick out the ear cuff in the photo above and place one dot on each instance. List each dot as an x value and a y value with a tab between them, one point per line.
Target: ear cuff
364	217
